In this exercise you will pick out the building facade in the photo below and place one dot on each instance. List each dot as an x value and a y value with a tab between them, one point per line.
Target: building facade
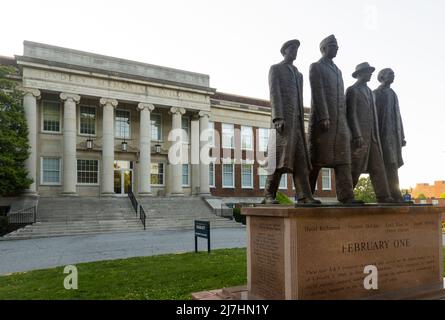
101	126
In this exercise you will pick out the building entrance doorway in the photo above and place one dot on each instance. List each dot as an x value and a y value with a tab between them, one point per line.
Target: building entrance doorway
123	177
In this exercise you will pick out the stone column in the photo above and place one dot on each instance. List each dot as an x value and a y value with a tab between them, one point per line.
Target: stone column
175	152
204	188
30	105
108	145
145	149
69	143
194	154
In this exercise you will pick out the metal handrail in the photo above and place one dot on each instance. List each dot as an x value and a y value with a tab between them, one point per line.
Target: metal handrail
133	200
23	216
142	215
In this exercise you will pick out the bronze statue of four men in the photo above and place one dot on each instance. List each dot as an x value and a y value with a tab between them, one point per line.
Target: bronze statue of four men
353	133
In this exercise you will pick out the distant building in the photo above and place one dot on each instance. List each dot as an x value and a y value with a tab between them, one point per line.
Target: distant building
429	191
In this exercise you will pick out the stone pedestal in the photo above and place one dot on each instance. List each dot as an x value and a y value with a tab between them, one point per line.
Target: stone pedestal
322	252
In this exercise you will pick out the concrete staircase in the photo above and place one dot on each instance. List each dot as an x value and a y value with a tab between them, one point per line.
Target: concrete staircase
62	216
179	213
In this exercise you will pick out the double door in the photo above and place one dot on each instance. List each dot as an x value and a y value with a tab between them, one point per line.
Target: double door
123	177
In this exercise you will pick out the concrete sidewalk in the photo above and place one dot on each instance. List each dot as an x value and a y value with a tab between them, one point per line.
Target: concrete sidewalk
26	255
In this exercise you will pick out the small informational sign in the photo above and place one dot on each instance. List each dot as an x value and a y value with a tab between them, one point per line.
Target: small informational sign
202	230
407	197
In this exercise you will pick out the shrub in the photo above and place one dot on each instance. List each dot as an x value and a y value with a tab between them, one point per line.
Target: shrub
283	199
238	216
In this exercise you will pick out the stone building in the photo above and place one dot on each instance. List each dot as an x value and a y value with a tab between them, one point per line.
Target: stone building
429	191
100	126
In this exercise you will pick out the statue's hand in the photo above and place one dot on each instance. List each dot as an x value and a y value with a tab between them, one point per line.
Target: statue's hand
358	142
325	124
279	125
403	143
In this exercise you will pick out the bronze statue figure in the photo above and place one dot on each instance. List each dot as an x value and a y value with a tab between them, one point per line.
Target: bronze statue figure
329	135
391	132
366	154
287	146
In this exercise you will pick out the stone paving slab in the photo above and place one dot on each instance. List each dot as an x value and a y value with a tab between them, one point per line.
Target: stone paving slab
32	254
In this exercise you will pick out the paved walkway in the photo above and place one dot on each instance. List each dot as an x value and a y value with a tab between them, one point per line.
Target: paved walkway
25	255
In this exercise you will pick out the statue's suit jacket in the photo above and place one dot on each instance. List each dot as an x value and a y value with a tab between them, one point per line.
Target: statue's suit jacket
363	121
286	97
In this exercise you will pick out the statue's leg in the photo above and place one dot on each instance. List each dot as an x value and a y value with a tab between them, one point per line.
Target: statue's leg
313	176
272	183
343	182
377	173
392	173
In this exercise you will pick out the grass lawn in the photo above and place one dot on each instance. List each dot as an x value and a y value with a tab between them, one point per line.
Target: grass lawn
172	276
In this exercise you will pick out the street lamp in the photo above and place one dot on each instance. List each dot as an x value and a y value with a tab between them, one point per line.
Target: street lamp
158	148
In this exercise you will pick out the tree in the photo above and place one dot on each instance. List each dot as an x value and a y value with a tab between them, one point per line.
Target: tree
364	190
442	196
13	136
421	197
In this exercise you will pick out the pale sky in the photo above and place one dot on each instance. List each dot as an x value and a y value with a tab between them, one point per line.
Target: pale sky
235	42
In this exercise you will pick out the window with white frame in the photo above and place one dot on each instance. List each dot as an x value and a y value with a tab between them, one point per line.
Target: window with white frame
228	135
247	176
87	121
157	174
211	174
185	175
263	139
262	173
156	126
228	175
212	134
185	121
283	181
50	171
326	178
122	124
51	116
246	138
87	171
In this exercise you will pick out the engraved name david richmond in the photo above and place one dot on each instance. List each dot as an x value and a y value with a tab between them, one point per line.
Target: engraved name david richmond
375	245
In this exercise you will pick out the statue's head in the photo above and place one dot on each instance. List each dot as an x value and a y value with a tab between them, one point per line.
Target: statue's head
363	72
329	47
386	76
289	49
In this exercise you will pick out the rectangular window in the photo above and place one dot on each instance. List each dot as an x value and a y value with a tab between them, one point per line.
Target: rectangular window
283	181
246	138
156	126
51	171
185	175
326	178
122	124
212	137
87	120
185	123
228	176
212	174
228	136
263	139
51	116
262	173
157	174
87	171
246	176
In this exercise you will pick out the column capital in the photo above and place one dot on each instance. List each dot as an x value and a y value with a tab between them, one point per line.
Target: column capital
108	102
175	110
204	114
34	92
141	106
70	96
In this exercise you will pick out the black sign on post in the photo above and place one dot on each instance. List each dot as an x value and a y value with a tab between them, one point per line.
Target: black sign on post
202	230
